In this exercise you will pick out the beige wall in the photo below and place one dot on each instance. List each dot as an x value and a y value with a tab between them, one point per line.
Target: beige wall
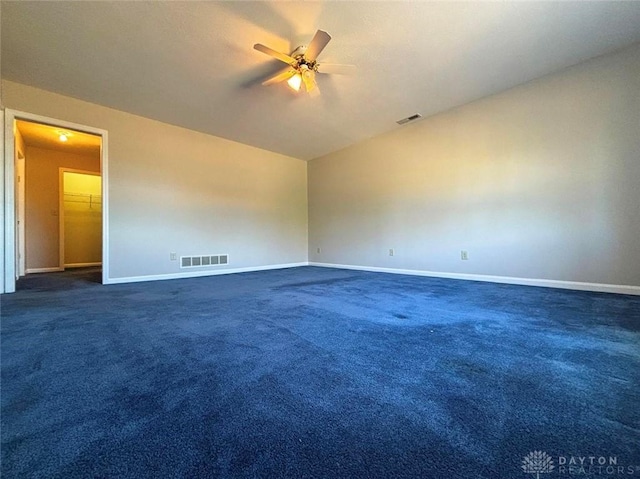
177	190
42	202
537	182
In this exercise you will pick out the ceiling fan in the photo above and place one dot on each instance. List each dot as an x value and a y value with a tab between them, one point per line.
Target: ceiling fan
302	64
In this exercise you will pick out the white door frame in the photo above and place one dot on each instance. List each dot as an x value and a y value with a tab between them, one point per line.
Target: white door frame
21	212
2	195
61	171
8	251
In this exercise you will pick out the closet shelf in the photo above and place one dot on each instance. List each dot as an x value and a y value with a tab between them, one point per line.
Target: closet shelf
86	198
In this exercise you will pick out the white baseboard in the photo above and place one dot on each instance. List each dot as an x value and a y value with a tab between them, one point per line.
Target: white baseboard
82	265
197	274
546	283
44	270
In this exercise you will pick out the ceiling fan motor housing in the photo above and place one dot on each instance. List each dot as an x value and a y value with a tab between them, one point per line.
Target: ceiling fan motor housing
299	55
299	51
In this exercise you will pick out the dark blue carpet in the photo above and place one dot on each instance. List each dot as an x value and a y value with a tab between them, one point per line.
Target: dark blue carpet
314	373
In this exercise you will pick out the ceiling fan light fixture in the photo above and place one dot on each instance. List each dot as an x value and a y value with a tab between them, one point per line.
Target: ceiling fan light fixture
303	64
295	81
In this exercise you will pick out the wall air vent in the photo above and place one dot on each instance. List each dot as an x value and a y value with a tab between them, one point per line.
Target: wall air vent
206	260
409	118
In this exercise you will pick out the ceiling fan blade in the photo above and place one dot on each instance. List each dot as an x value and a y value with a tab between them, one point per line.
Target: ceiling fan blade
280	76
335	68
271	52
319	41
310	84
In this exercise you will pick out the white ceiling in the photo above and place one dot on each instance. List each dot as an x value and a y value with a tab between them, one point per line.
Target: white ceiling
192	63
45	136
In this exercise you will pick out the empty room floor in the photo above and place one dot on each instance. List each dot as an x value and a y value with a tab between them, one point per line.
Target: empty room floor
315	372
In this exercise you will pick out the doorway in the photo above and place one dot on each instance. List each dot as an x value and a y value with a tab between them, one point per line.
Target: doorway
42	153
80	228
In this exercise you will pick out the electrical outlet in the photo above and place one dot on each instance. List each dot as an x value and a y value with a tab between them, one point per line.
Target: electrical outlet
173	256
319	251
391	252
464	255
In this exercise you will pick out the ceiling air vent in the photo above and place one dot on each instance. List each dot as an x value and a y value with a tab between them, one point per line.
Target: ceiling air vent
409	118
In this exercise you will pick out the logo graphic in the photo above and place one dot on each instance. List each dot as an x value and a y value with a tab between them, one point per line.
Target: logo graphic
537	462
